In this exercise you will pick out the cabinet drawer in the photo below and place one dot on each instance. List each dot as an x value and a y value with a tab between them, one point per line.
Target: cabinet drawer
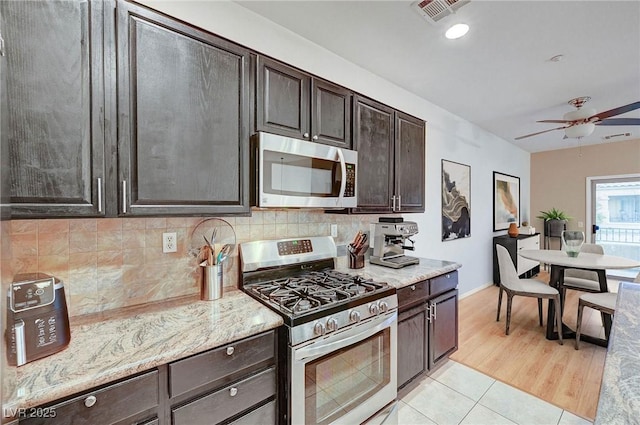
221	365
112	404
227	402
263	415
413	293
444	283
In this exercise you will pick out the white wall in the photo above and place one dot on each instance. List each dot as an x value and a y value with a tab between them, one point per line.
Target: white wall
448	136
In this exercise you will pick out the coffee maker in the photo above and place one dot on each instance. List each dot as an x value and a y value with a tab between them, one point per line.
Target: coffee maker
390	240
38	321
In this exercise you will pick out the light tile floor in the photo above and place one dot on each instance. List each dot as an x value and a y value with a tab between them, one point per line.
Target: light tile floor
456	394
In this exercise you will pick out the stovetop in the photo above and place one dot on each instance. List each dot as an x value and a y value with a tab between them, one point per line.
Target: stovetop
297	278
316	290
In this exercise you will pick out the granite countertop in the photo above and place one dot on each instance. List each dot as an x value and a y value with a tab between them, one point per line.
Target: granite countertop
405	276
620	391
114	345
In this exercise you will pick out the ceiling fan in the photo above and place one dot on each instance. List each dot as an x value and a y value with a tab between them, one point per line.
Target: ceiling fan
582	121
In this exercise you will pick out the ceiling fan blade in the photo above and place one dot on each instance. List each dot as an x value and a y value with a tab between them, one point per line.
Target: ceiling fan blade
620	121
557	121
617	111
539	132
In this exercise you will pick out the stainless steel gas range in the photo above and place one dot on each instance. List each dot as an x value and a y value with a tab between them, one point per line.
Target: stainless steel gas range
337	349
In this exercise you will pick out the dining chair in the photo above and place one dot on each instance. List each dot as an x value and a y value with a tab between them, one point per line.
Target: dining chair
582	280
604	302
513	285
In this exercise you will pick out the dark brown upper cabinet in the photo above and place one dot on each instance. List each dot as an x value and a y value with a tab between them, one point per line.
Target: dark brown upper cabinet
409	163
183	121
55	101
294	104
391	159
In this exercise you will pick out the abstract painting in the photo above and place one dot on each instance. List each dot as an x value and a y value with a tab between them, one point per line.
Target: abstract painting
506	201
456	200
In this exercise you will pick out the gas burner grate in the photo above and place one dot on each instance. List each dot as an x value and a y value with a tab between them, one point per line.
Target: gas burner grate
313	290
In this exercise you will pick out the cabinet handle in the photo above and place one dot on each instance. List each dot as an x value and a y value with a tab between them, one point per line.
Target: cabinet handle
315	137
233	391
230	350
413	287
393	200
90	401
435	311
124	196
399	202
305	135
429	313
99	194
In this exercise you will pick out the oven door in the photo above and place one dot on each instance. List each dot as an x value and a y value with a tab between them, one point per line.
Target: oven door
347	376
297	173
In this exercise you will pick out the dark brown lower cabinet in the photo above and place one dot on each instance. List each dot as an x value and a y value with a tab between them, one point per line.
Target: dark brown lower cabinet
134	400
412	344
427	326
234	383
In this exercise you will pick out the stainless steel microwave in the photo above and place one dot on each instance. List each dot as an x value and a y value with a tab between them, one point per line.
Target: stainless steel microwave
295	173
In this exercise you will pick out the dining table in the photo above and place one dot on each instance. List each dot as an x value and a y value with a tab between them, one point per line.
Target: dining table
559	261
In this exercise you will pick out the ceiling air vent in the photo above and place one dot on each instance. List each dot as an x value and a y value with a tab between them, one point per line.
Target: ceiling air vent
434	10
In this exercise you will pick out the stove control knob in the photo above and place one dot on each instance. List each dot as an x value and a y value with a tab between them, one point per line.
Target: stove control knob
332	325
354	316
383	306
318	329
373	309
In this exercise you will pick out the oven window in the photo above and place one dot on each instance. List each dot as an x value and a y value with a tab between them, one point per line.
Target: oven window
296	175
342	380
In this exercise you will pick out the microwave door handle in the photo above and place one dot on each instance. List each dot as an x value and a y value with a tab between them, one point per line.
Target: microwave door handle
343	169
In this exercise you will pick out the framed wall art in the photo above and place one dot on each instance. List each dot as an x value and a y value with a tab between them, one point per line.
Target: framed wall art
456	200
506	201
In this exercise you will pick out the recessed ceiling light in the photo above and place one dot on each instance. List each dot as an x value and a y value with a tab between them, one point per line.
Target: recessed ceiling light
456	31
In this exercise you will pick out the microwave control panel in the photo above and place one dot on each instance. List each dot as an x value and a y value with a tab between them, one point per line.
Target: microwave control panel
350	188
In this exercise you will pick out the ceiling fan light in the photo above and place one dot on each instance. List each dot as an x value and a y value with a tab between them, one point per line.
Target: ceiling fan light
456	31
580	130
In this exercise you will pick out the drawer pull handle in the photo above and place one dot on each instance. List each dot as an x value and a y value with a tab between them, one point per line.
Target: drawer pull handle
90	401
448	276
233	391
230	350
413	287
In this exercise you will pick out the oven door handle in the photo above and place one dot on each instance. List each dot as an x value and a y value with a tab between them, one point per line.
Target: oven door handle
318	349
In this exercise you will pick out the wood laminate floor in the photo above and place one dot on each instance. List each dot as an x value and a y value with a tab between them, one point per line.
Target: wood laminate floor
525	359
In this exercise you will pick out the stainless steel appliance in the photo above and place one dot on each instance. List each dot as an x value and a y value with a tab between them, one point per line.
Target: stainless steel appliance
338	346
38	322
295	173
389	243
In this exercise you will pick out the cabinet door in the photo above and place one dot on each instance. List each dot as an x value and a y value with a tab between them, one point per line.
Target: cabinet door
373	139
523	265
409	163
282	97
55	124
412	348
183	97
443	329
330	114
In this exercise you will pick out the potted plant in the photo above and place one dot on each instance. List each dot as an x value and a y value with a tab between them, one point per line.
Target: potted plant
555	221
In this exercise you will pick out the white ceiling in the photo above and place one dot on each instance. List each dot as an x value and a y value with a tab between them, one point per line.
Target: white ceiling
499	75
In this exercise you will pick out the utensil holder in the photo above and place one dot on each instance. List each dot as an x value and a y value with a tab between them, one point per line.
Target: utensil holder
212	282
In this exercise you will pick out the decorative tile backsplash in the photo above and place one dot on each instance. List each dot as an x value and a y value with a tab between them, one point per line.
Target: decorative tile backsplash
118	262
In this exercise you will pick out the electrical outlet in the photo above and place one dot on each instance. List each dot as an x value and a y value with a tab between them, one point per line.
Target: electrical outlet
580	224
169	242
334	230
